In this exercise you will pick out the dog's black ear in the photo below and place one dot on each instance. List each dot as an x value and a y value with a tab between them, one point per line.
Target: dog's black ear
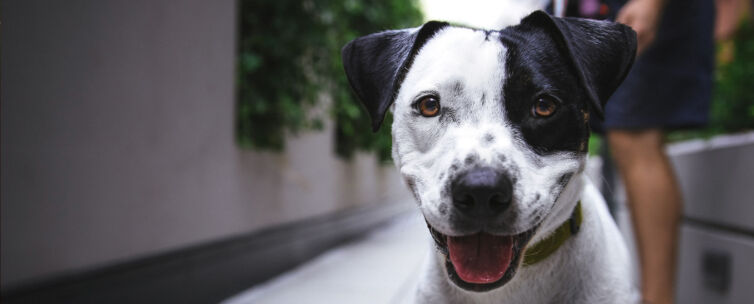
602	52
376	65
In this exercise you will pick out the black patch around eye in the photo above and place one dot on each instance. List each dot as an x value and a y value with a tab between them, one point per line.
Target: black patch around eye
533	67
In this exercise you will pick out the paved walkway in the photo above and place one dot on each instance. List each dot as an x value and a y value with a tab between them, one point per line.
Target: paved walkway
381	268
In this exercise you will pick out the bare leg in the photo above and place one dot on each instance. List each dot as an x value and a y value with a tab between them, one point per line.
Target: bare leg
655	204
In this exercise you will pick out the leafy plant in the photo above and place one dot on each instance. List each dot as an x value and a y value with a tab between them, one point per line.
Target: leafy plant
733	105
290	57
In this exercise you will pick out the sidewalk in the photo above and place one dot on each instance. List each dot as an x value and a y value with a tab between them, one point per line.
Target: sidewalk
383	267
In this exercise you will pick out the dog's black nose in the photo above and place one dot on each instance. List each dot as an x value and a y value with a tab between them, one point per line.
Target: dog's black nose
482	193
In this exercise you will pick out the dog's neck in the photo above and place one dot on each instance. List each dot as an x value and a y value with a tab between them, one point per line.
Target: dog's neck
563	207
539	251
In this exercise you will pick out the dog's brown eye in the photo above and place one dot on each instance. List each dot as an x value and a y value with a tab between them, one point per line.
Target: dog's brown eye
544	106
429	106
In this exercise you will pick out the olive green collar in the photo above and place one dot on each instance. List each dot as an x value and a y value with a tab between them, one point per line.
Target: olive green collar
544	248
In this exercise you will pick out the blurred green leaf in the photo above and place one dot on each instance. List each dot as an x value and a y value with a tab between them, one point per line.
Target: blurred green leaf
289	53
734	91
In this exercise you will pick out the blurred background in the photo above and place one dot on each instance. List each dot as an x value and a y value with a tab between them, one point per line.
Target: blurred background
185	151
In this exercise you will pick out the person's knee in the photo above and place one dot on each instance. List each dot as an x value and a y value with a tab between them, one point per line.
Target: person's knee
635	145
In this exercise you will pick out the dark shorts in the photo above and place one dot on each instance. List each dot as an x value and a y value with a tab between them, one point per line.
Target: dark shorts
670	85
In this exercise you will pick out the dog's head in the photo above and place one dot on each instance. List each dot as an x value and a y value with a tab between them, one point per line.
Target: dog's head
489	126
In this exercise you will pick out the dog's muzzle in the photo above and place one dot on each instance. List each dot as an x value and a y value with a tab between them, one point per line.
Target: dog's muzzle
482	259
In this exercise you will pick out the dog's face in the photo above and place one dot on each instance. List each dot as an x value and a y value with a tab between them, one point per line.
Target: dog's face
489	126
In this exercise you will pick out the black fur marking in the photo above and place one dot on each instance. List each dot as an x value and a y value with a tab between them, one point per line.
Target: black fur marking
487	35
472	158
541	68
483	100
580	63
513	172
446	191
558	188
600	53
457	88
489	138
564	179
448	116
443	208
376	65
502	158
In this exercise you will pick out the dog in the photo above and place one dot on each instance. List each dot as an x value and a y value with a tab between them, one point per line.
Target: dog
490	132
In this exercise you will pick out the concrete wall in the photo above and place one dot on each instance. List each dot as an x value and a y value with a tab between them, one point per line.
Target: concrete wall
118	139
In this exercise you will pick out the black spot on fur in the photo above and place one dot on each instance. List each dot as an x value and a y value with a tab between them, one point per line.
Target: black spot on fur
513	173
448	116
443	208
471	159
564	179
489	138
454	166
446	191
502	158
457	88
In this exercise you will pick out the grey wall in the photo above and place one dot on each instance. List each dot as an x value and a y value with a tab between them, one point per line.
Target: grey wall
117	139
716	178
716	247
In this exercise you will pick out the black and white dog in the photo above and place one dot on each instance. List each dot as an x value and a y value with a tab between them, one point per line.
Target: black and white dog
490	132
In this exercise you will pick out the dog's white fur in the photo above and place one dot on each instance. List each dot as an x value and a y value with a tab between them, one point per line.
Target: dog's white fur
466	68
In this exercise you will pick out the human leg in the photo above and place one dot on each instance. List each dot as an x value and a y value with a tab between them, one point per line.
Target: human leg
655	203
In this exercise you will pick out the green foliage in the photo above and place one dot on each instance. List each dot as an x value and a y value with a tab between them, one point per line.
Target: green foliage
290	54
595	143
733	105
732	108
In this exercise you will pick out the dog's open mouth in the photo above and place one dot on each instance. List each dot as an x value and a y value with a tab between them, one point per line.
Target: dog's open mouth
481	261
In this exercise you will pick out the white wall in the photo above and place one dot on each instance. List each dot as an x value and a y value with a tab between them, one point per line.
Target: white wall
117	139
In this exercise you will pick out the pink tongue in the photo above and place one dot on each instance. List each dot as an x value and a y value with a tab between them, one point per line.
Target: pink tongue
481	258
